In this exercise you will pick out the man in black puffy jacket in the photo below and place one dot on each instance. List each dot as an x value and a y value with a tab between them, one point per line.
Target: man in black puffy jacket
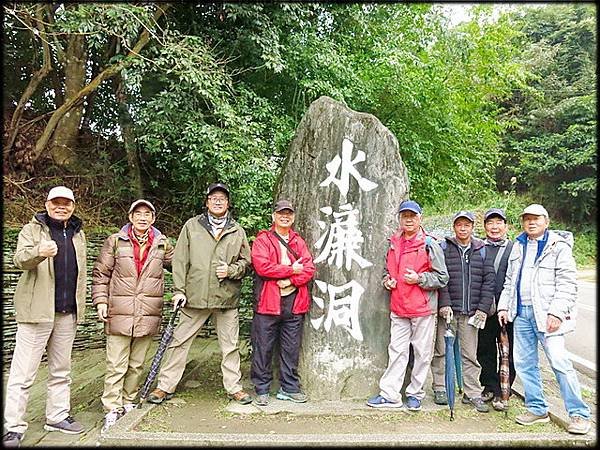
465	302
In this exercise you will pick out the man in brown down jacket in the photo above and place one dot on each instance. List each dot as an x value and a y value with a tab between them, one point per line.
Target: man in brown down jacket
127	290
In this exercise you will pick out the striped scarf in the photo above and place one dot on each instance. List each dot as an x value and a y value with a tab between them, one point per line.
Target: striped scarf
217	223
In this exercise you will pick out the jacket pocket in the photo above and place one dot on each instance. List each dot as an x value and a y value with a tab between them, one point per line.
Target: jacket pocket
546	273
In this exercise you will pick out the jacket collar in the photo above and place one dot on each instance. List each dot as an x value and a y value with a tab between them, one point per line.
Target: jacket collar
541	243
124	232
476	243
74	222
292	235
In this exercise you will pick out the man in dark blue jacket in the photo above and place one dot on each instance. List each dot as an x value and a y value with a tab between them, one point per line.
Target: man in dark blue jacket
465	302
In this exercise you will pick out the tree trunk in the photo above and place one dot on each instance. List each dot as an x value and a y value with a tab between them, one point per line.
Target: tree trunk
67	129
109	72
129	140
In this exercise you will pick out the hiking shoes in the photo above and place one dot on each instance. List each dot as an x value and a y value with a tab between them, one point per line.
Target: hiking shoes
413	403
579	425
111	418
477	402
440	398
12	439
67	426
381	402
486	396
529	418
157	396
498	404
128	407
296	397
241	397
262	399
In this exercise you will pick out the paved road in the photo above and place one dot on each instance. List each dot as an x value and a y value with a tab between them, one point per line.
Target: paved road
582	342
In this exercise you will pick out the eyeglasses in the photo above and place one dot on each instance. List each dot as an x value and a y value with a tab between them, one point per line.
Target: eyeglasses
218	199
139	214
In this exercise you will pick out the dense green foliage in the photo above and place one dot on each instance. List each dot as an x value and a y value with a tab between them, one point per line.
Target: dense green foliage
220	88
551	149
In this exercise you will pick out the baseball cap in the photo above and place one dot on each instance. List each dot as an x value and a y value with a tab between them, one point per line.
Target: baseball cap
61	192
409	205
466	214
535	209
219	186
494	212
139	202
283	204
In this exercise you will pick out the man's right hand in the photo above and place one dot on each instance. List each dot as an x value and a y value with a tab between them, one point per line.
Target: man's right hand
297	267
102	311
390	283
446	313
179	299
503	317
48	248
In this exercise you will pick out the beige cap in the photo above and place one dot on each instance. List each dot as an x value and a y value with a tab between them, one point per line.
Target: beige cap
536	210
139	202
61	192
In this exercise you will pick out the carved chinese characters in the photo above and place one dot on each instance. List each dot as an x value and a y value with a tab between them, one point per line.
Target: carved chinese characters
346	178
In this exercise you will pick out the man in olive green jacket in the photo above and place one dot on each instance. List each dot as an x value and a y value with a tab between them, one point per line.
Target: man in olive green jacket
211	257
49	302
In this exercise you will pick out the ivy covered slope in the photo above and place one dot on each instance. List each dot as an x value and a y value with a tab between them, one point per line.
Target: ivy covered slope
124	100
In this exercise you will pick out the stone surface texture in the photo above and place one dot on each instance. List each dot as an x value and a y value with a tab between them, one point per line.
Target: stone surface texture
335	364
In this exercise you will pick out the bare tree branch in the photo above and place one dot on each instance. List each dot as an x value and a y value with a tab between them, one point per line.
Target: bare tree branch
33	84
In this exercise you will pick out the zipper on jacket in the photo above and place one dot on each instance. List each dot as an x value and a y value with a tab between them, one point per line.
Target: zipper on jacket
66	271
462	275
469	285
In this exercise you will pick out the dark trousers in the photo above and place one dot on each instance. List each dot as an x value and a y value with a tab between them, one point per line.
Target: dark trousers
489	357
266	331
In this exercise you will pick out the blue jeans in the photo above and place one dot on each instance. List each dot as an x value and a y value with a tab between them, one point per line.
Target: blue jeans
526	337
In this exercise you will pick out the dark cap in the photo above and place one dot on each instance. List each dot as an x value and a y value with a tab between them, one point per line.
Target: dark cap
409	205
218	186
466	214
283	204
494	212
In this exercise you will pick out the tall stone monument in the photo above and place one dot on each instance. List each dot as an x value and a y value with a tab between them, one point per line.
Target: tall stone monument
346	179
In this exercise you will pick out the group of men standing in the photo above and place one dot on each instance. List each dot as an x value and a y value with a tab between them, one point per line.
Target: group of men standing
211	257
476	285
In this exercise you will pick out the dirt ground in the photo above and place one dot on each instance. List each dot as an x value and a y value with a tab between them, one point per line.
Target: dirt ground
200	406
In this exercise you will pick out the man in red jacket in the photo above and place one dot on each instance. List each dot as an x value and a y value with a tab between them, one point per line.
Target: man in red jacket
415	270
283	266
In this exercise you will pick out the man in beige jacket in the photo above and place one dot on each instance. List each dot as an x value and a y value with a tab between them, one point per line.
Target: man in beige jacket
211	257
49	302
127	291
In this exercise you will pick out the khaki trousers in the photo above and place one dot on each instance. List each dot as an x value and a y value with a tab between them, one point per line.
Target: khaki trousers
31	340
190	323
418	331
468	336
125	356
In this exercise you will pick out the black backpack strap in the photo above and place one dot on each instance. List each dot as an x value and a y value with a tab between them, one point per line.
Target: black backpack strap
285	244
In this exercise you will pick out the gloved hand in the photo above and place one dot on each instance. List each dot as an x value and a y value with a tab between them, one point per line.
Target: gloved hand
478	319
180	299
447	313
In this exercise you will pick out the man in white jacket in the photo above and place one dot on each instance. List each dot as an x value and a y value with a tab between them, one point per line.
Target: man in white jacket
539	297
